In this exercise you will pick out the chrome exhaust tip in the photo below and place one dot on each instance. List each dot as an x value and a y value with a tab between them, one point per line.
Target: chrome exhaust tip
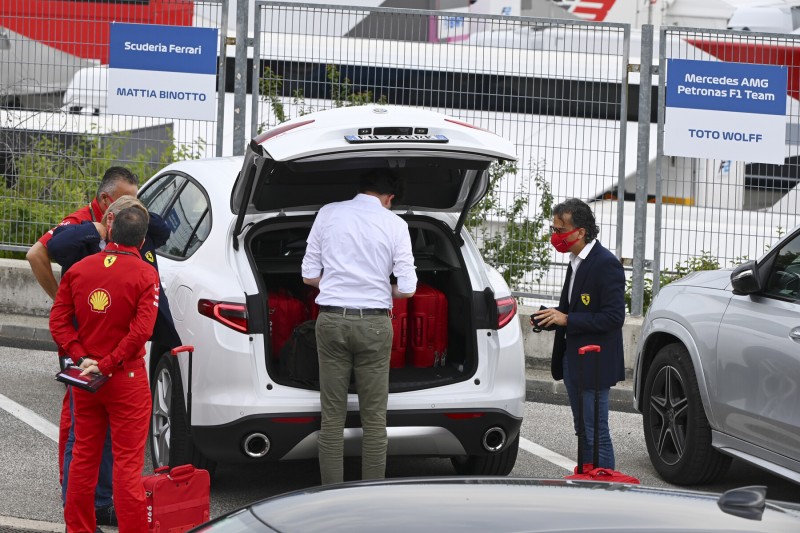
256	445
494	439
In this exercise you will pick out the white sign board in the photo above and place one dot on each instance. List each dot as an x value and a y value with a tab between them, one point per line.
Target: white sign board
162	71
728	111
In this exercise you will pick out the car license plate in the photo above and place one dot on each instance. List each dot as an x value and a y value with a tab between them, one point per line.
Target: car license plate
361	139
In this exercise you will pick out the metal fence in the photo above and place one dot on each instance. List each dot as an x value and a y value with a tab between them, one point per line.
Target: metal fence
722	211
554	88
56	138
562	91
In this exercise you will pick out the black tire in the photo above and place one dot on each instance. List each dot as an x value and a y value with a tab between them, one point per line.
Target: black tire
170	439
676	429
497	464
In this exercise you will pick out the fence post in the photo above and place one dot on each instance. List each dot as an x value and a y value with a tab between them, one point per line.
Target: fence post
222	64
662	80
642	165
623	141
240	77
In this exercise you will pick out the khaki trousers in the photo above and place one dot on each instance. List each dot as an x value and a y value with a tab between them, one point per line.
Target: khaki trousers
360	345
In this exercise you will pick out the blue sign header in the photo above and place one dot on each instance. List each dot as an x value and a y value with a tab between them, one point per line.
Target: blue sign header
721	86
163	48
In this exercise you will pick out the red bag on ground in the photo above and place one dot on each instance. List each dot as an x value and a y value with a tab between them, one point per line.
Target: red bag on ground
285	313
602	474
587	471
177	499
427	327
400	329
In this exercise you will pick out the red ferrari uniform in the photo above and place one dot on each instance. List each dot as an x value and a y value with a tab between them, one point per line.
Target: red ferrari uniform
91	212
114	297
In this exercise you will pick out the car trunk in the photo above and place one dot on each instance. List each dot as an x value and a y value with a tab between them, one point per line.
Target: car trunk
276	248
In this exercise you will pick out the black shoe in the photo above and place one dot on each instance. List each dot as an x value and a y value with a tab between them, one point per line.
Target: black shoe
106	516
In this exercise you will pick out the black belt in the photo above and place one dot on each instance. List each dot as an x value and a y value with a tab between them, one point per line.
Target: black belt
345	311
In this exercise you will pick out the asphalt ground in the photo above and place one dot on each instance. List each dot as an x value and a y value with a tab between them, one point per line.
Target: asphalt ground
33	333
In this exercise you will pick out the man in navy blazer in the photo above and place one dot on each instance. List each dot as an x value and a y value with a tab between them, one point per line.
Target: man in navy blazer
591	311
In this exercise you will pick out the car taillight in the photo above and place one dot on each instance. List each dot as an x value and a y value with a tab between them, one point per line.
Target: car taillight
506	310
274	132
466	124
231	315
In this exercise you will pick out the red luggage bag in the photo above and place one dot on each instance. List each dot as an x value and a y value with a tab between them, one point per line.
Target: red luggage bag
400	329
177	499
285	313
587	472
427	324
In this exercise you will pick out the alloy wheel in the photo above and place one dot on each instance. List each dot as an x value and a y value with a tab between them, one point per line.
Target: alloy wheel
669	414
162	403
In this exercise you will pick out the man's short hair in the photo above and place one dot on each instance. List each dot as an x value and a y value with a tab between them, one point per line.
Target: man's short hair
123	202
113	176
381	182
130	227
581	215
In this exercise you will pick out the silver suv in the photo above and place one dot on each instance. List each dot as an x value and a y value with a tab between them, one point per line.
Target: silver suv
717	371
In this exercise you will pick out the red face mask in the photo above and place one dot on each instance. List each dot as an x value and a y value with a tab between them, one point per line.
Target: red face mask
560	242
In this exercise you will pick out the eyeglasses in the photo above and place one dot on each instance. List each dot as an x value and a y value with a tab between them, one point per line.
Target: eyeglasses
557	231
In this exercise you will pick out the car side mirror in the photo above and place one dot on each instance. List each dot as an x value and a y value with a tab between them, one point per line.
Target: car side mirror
744	279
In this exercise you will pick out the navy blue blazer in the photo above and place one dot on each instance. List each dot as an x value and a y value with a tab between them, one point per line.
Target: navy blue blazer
595	316
73	242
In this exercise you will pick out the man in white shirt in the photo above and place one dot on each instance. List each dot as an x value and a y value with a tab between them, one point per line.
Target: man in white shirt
353	248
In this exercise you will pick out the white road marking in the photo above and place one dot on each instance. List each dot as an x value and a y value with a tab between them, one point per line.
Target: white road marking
31	525
29	417
547	455
51	431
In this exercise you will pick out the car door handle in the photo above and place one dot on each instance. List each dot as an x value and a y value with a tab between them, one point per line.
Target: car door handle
795	334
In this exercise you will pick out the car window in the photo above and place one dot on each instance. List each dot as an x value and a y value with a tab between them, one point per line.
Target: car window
189	220
158	194
784	280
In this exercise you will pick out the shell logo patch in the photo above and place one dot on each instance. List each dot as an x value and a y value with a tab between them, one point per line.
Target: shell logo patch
99	300
109	260
585	298
149	257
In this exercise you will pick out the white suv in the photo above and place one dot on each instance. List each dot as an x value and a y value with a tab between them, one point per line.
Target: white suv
239	227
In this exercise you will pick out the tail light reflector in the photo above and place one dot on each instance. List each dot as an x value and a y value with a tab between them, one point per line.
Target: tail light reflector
463	416
230	315
506	310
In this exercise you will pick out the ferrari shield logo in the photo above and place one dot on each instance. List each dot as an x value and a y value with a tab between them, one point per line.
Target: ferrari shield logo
149	256
109	260
585	299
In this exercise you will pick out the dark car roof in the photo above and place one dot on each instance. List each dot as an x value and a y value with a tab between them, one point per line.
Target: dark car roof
507	504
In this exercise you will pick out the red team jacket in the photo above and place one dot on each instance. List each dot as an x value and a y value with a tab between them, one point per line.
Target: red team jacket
113	295
90	213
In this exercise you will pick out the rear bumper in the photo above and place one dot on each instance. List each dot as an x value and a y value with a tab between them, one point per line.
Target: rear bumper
432	433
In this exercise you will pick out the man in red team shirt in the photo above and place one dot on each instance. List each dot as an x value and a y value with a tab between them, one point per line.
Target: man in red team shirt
116	182
113	295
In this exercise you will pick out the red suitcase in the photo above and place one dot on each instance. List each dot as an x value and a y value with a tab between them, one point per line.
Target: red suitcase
427	325
587	472
400	329
177	499
285	313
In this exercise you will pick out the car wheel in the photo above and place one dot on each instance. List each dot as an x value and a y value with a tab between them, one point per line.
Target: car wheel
676	429
498	464
170	438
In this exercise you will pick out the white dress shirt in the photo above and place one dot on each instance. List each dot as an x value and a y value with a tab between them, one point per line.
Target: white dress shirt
575	261
355	245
